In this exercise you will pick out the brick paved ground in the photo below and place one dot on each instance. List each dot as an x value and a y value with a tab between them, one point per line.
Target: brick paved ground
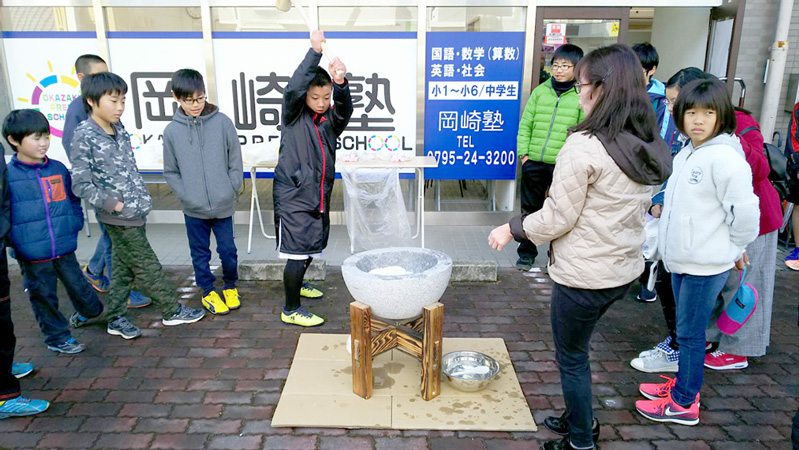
214	385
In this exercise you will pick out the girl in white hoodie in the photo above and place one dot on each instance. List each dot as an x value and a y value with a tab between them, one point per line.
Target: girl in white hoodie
710	214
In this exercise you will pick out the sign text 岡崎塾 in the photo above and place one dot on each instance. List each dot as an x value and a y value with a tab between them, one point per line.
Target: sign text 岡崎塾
472	103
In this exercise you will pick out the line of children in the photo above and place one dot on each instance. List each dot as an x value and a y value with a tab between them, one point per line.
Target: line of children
306	171
12	404
105	174
100	262
710	214
553	108
202	164
46	218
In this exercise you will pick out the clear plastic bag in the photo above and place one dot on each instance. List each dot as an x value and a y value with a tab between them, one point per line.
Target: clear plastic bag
374	209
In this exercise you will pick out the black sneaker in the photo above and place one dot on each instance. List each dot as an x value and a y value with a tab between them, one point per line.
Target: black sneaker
559	425
184	315
562	444
122	327
646	296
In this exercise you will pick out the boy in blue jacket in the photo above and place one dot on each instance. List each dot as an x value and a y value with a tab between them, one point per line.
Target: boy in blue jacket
650	59
202	164
12	404
45	221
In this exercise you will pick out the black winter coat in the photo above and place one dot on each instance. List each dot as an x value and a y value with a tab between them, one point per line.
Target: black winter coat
306	165
5	224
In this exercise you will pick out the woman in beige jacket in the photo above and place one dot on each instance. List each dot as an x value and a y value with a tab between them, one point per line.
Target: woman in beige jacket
594	218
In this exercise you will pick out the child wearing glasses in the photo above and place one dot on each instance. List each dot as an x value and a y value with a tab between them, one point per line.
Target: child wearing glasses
202	164
552	109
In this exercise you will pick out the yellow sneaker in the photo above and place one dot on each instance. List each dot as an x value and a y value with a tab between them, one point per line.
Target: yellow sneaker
301	317
309	291
214	304
232	298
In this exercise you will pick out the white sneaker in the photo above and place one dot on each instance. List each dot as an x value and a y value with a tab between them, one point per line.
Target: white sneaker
656	360
663	345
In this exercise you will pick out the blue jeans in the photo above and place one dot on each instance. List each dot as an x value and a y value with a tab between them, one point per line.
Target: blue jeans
695	297
574	314
101	260
41	281
199	233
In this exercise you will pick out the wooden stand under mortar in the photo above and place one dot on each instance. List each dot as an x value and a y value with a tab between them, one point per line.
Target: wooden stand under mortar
422	337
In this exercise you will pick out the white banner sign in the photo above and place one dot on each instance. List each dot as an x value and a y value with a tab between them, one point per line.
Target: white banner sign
42	76
252	73
147	66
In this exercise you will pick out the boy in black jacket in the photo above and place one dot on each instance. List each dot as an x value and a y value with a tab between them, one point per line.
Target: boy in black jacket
305	172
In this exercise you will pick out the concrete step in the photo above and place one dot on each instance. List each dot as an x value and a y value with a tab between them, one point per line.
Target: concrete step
273	270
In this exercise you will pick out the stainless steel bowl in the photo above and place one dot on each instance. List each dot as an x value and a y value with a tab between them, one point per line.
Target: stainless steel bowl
469	371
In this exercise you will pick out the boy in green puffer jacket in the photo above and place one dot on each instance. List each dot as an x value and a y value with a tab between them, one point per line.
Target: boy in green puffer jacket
553	108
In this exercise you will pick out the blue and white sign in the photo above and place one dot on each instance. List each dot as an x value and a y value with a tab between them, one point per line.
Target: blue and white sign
472	101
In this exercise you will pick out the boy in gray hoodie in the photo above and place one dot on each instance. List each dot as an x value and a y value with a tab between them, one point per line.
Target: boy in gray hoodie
202	164
104	173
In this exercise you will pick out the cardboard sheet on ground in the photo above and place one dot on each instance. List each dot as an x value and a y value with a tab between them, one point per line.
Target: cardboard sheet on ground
318	391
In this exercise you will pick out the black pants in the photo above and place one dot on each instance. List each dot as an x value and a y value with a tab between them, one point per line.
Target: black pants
666	296
795	431
41	281
199	233
9	385
536	179
574	314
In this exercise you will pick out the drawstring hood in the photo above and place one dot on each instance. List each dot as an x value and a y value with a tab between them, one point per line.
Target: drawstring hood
196	123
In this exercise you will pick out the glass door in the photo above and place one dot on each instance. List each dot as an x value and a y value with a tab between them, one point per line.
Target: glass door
588	28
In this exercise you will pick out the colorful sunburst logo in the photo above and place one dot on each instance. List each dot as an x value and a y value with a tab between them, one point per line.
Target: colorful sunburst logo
52	95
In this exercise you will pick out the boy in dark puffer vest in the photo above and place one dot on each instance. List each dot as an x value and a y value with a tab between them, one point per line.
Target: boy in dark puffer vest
45	221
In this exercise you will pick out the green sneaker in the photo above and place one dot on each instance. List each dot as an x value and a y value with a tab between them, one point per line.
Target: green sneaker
301	317
308	291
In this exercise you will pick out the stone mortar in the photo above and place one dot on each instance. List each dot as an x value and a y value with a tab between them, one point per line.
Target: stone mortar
397	297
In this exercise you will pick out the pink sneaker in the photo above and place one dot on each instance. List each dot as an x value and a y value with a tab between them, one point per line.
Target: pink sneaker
665	410
654	391
719	360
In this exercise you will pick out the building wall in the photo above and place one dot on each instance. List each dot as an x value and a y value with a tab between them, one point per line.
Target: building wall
756	38
679	49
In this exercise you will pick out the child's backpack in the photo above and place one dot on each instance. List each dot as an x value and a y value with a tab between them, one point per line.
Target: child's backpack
740	309
778	163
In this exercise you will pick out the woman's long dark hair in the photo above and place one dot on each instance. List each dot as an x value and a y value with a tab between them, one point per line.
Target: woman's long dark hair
623	104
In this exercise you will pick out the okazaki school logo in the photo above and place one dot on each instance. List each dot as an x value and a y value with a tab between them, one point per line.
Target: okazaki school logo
52	95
